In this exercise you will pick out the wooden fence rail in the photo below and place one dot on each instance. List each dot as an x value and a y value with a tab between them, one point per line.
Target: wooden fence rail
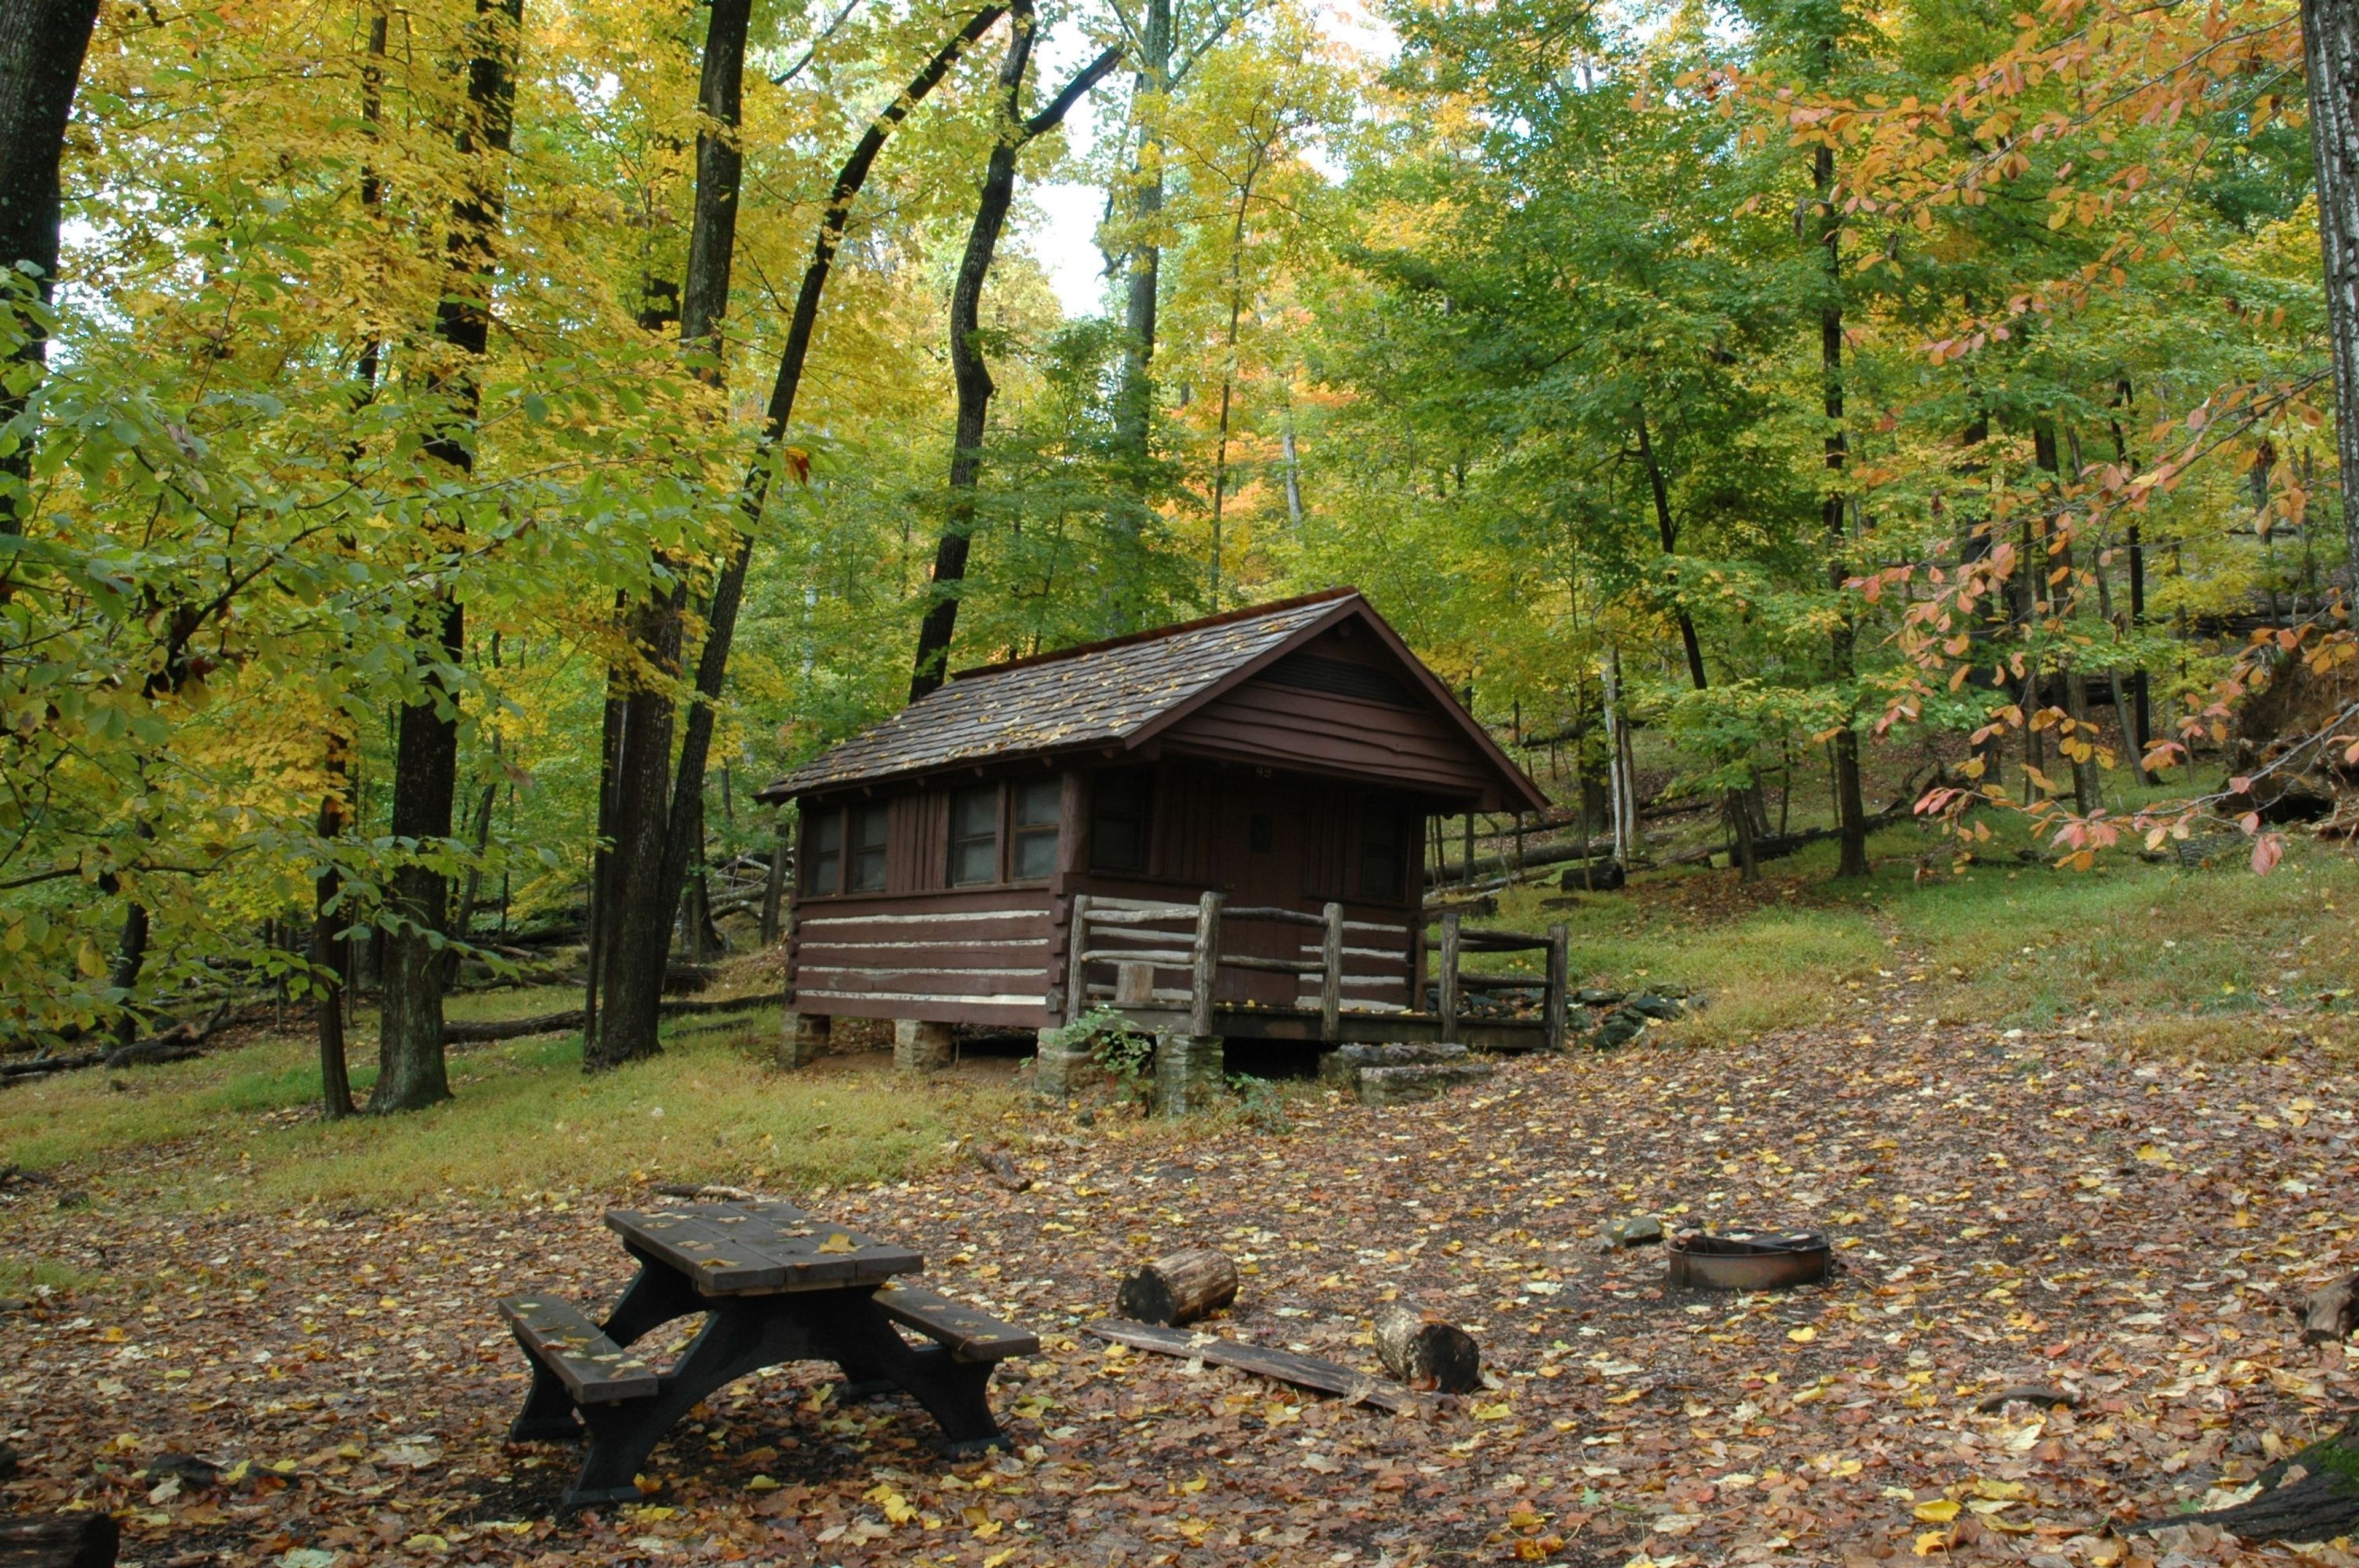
1095	927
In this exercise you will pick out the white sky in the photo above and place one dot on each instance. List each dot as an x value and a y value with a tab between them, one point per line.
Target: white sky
1063	236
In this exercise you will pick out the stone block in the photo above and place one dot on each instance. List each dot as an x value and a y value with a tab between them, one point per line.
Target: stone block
1061	1071
920	1045
1341	1066
805	1039
1391	1086
1190	1073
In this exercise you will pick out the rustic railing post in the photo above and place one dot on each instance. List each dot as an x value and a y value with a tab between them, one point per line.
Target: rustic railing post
1207	965
1448	968
1331	975
1555	1004
781	856
1077	991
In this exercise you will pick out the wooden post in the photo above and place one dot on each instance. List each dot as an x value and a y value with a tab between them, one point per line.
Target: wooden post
1134	985
1207	966
1077	934
1448	977
773	894
1556	1001
1331	975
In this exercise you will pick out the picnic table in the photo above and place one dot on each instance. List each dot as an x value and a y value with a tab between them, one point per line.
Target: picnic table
775	1286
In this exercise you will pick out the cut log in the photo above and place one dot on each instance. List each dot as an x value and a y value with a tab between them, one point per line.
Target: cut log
1179	1289
2331	1312
1001	1167
1425	1352
1285	1365
2026	1393
64	1541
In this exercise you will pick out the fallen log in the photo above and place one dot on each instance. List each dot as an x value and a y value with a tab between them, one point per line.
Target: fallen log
561	1023
2314	1496
1179	1289
2331	1312
1001	1167
62	1540
1425	1352
177	1043
1283	1366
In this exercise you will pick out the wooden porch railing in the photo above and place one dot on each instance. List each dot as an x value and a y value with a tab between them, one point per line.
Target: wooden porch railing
1101	932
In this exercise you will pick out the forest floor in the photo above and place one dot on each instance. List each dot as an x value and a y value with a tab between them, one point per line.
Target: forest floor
2021	1194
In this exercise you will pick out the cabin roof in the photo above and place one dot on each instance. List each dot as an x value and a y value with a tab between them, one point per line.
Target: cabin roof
1115	693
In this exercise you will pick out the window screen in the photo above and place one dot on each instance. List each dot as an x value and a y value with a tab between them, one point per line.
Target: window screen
1039	805
867	849
974	836
1121	810
823	851
1383	861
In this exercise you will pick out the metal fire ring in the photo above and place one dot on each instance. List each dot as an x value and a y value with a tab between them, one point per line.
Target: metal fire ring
1740	1259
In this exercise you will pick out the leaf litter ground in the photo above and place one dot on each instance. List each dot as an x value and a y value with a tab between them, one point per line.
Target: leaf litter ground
2009	1211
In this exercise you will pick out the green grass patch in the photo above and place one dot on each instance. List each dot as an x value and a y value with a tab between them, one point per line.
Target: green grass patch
523	1118
2158	956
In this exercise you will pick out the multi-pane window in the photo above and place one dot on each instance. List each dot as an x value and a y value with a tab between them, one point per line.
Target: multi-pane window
1383	850
1039	805
974	836
823	851
1121	805
867	849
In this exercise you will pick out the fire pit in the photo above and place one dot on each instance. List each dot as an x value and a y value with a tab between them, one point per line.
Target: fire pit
1741	1259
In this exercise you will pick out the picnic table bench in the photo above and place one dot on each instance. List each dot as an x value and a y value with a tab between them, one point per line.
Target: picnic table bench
774	1285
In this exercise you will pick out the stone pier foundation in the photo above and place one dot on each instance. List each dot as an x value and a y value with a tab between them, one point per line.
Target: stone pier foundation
1190	1071
919	1046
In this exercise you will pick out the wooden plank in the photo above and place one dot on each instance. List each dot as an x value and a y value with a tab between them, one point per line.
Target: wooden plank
593	1368
1555	1005
1129	912
1285	1365
1448	977
719	1262
969	1333
735	1256
1162	958
1272	912
1077	933
1269	966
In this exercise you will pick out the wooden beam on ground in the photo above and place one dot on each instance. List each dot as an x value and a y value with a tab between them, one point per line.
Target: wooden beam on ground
1283	1366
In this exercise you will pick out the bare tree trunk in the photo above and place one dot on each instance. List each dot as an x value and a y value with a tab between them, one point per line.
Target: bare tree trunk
42	43
972	376
1851	810
1134	397
329	971
410	1069
2330	30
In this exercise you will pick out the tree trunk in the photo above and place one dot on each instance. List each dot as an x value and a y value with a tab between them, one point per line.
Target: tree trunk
632	915
1851	809
2330	30
1427	1353
42	43
410	1070
1134	396
729	590
1179	1289
968	371
330	969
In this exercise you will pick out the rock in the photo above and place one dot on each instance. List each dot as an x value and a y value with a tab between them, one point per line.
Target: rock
1651	1006
1341	1066
1592	995
189	1469
1600	875
2029	1393
1621	1027
1391	1086
1633	1231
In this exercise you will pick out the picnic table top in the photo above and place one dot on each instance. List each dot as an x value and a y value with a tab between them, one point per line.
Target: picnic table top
763	1247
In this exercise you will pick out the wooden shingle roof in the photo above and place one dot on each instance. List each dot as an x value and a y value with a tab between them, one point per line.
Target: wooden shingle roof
1100	694
1110	694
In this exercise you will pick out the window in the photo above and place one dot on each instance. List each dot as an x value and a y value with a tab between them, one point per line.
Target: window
1038	807
867	850
1382	859
823	851
1121	813
974	836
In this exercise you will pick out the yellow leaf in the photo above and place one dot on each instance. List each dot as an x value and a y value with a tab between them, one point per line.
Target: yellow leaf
1198	1485
1941	1510
838	1241
997	1558
1492	1413
1933	1540
2001	1491
1802	1336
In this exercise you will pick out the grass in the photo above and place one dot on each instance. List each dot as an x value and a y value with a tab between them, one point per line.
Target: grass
2156	957
239	1123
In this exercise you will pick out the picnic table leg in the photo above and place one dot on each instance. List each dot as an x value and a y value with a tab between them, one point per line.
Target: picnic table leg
861	1339
655	1295
737	1338
547	1414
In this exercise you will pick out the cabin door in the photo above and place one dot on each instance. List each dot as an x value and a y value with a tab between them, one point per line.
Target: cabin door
1262	838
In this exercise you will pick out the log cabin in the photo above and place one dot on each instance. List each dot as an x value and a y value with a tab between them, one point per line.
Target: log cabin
1283	757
